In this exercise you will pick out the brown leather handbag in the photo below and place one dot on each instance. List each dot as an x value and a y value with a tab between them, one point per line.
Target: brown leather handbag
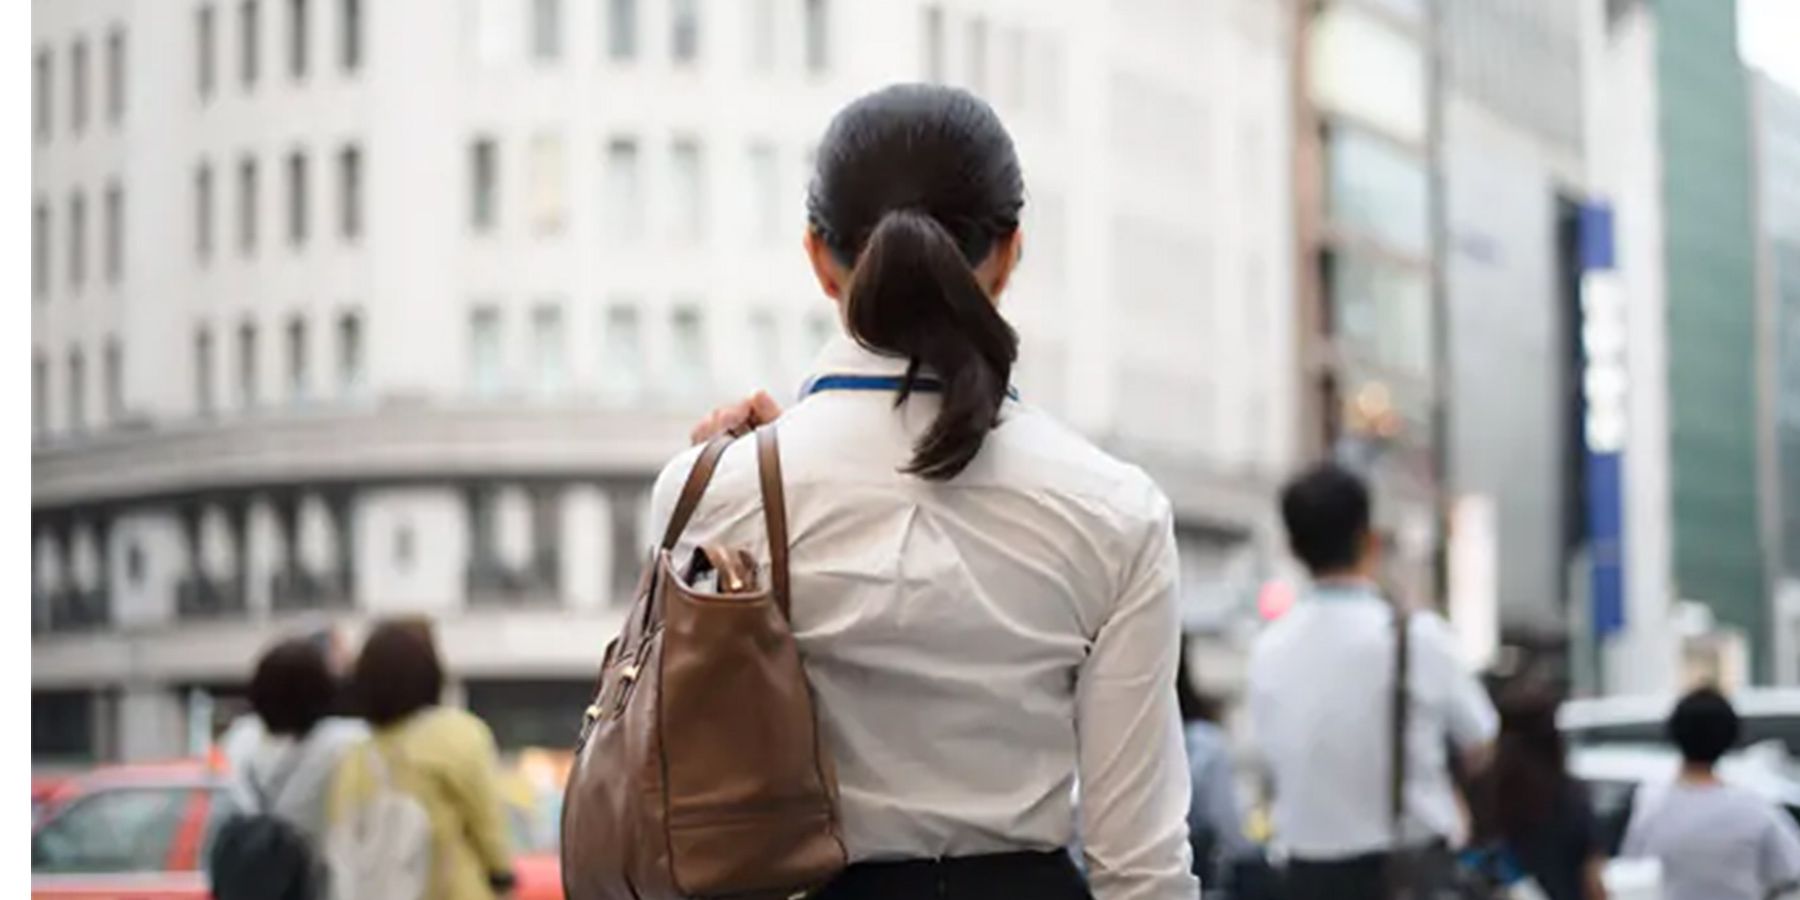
699	771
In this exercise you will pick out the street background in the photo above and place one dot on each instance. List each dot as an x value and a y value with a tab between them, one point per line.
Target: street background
353	308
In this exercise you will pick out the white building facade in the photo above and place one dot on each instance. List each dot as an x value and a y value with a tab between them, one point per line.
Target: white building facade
354	308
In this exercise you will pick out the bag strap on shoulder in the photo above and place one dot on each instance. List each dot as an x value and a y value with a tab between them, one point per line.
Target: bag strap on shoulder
774	502
1400	714
695	488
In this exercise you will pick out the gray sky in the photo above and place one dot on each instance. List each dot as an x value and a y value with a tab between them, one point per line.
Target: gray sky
1769	38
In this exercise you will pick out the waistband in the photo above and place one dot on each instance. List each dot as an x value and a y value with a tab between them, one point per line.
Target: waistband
1049	874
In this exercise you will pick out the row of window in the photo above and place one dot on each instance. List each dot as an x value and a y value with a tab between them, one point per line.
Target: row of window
295	337
622	41
44	83
297	22
994	59
295	168
625	373
624	198
75	388
112	239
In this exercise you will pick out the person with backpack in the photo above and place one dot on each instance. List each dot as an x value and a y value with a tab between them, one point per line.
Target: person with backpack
283	758
984	603
1215	819
415	811
1356	704
1532	818
1716	841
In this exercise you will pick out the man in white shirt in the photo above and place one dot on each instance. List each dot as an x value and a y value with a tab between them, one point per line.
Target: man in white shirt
1321	689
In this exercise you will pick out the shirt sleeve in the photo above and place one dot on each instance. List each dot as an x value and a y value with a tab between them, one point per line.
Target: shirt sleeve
1469	716
476	792
1133	767
1779	855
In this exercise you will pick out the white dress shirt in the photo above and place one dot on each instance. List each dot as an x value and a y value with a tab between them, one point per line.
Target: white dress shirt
1321	700
975	645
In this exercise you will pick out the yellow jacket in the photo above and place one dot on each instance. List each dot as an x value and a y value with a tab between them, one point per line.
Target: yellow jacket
445	758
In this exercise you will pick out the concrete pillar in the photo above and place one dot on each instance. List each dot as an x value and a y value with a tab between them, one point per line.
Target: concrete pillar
151	724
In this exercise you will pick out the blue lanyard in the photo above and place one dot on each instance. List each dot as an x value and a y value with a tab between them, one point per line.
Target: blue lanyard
890	383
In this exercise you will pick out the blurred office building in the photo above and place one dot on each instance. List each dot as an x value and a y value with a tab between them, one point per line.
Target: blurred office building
1776	112
346	308
1673	370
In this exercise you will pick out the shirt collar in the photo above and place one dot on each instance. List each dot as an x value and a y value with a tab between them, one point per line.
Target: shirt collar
842	355
1331	591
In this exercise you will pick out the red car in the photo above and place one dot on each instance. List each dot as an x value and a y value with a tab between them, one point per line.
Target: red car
141	833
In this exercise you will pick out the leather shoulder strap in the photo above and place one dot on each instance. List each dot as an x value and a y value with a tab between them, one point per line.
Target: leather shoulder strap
1401	711
695	488
774	500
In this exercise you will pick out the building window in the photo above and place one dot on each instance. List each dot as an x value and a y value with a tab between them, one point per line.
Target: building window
248	39
247	188
113	236
818	36
78	86
765	344
684	24
115	75
296	197
688	375
115	380
689	190
762	35
203	208
43	98
934	43
40	249
622	359
621	29
350	353
77	239
549	184
546	30
350	35
203	37
350	192
485	362
297	38
40	394
1381	312
623	199
976	76
1375	189
1012	68
203	374
297	370
484	184
247	366
549	350
77	391
764	194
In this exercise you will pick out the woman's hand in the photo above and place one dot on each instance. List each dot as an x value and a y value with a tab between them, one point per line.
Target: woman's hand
757	409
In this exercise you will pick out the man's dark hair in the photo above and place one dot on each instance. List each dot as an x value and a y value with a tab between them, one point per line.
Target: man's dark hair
1704	726
292	687
397	673
1326	510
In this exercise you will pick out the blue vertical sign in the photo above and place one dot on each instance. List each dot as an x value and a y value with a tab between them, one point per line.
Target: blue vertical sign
1605	380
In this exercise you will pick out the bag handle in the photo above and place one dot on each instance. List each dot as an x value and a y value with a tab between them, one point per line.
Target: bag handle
695	488
774	502
1397	737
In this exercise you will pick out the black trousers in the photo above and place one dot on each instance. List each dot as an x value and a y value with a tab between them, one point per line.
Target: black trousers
1355	878
1026	876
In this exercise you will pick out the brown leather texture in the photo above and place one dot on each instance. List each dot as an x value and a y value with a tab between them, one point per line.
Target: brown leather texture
700	771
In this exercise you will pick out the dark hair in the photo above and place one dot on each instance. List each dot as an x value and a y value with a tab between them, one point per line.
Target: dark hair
292	687
1529	772
1704	726
915	186
1326	510
397	673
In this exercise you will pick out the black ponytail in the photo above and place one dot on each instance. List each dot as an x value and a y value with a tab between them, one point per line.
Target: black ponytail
914	294
917	185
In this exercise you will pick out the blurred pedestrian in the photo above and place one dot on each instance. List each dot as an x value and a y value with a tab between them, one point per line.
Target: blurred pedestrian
1323	708
282	757
985	603
416	810
1715	841
1215	821
1531	817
